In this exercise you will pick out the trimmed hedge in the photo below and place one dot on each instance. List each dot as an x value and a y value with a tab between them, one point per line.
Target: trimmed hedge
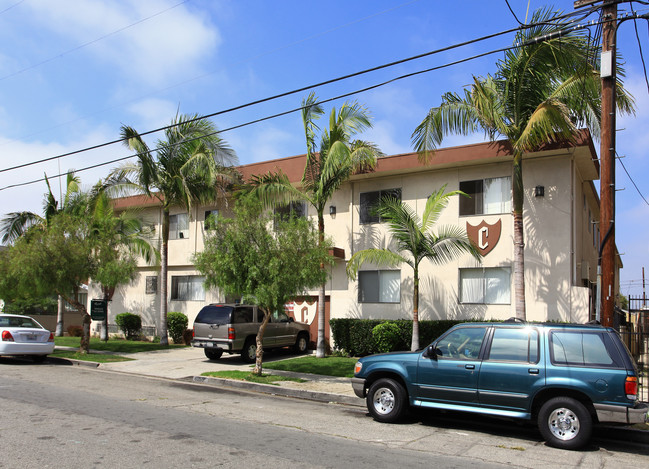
359	337
130	324
176	326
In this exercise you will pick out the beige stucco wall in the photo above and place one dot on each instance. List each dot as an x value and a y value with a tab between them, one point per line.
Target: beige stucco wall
557	242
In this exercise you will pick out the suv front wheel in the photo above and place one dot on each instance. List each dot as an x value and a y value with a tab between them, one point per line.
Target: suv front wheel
565	423
386	400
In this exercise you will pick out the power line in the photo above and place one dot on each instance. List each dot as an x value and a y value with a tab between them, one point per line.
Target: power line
632	181
11	6
313	86
274	97
408	75
85	44
175	85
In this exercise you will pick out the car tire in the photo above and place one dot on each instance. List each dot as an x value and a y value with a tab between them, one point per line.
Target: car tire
301	344
38	358
249	352
213	353
565	423
386	400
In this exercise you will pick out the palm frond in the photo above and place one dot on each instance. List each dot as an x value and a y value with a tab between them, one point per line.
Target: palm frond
15	224
377	257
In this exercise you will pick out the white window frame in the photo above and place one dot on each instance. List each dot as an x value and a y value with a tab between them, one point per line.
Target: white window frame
187	288
387	284
179	226
496	196
486	285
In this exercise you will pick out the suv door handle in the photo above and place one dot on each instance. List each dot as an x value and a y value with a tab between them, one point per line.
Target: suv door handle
533	371
469	367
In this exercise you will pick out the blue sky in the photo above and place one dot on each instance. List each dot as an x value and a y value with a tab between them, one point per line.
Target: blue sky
72	72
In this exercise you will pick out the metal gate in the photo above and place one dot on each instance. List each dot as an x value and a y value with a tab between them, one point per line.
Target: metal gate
635	334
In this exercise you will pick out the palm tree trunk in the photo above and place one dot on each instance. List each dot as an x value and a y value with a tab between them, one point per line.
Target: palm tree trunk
59	316
321	347
164	338
519	241
415	312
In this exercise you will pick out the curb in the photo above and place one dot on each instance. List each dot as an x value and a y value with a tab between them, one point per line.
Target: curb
281	391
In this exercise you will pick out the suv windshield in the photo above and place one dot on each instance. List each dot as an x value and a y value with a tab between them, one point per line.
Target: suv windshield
215	315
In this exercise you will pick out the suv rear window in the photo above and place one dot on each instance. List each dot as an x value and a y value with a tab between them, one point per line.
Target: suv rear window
583	349
215	315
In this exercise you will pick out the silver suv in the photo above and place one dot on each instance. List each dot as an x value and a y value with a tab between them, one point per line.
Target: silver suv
233	328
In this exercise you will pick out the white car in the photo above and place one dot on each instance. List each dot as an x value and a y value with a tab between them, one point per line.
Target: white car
23	336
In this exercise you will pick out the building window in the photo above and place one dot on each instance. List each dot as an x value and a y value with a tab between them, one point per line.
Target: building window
179	226
485	286
294	209
210	219
82	297
151	285
371	200
187	288
379	286
486	196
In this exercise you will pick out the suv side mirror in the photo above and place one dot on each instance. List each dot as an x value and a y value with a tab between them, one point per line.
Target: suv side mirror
430	352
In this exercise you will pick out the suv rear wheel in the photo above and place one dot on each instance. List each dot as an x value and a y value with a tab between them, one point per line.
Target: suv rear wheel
565	423
249	352
386	400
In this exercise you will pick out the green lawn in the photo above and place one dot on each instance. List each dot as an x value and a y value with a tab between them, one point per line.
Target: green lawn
247	376
329	366
114	345
89	357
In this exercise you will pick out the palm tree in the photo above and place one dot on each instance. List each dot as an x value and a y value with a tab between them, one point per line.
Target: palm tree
14	225
325	171
542	92
192	165
415	242
119	239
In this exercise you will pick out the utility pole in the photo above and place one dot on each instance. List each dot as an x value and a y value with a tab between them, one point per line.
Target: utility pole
607	164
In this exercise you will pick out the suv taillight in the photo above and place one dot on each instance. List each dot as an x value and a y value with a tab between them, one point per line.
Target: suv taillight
631	387
7	337
231	334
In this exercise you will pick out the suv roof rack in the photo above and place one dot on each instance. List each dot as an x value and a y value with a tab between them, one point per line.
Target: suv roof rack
513	319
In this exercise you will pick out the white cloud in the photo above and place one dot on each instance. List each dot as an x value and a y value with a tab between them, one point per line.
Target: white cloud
152	113
171	44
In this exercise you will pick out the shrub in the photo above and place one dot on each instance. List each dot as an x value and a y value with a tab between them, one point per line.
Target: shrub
130	324
356	336
387	338
75	331
176	326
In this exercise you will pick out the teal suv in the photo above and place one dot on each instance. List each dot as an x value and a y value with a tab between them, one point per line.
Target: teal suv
565	377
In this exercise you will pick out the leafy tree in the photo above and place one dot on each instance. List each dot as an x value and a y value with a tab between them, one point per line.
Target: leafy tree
190	166
15	224
543	91
326	169
415	242
54	261
245	257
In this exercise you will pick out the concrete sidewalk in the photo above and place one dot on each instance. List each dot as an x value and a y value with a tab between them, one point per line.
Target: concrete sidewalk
188	363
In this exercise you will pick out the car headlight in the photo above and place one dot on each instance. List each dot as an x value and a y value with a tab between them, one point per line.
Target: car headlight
358	367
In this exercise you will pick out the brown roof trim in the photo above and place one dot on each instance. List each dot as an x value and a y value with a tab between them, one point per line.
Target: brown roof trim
122	203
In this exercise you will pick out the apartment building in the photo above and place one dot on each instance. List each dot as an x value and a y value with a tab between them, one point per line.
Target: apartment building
561	211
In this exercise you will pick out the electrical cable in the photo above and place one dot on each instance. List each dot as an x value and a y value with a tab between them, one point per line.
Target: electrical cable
11	6
408	75
513	14
81	46
184	82
637	35
271	98
632	181
310	87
